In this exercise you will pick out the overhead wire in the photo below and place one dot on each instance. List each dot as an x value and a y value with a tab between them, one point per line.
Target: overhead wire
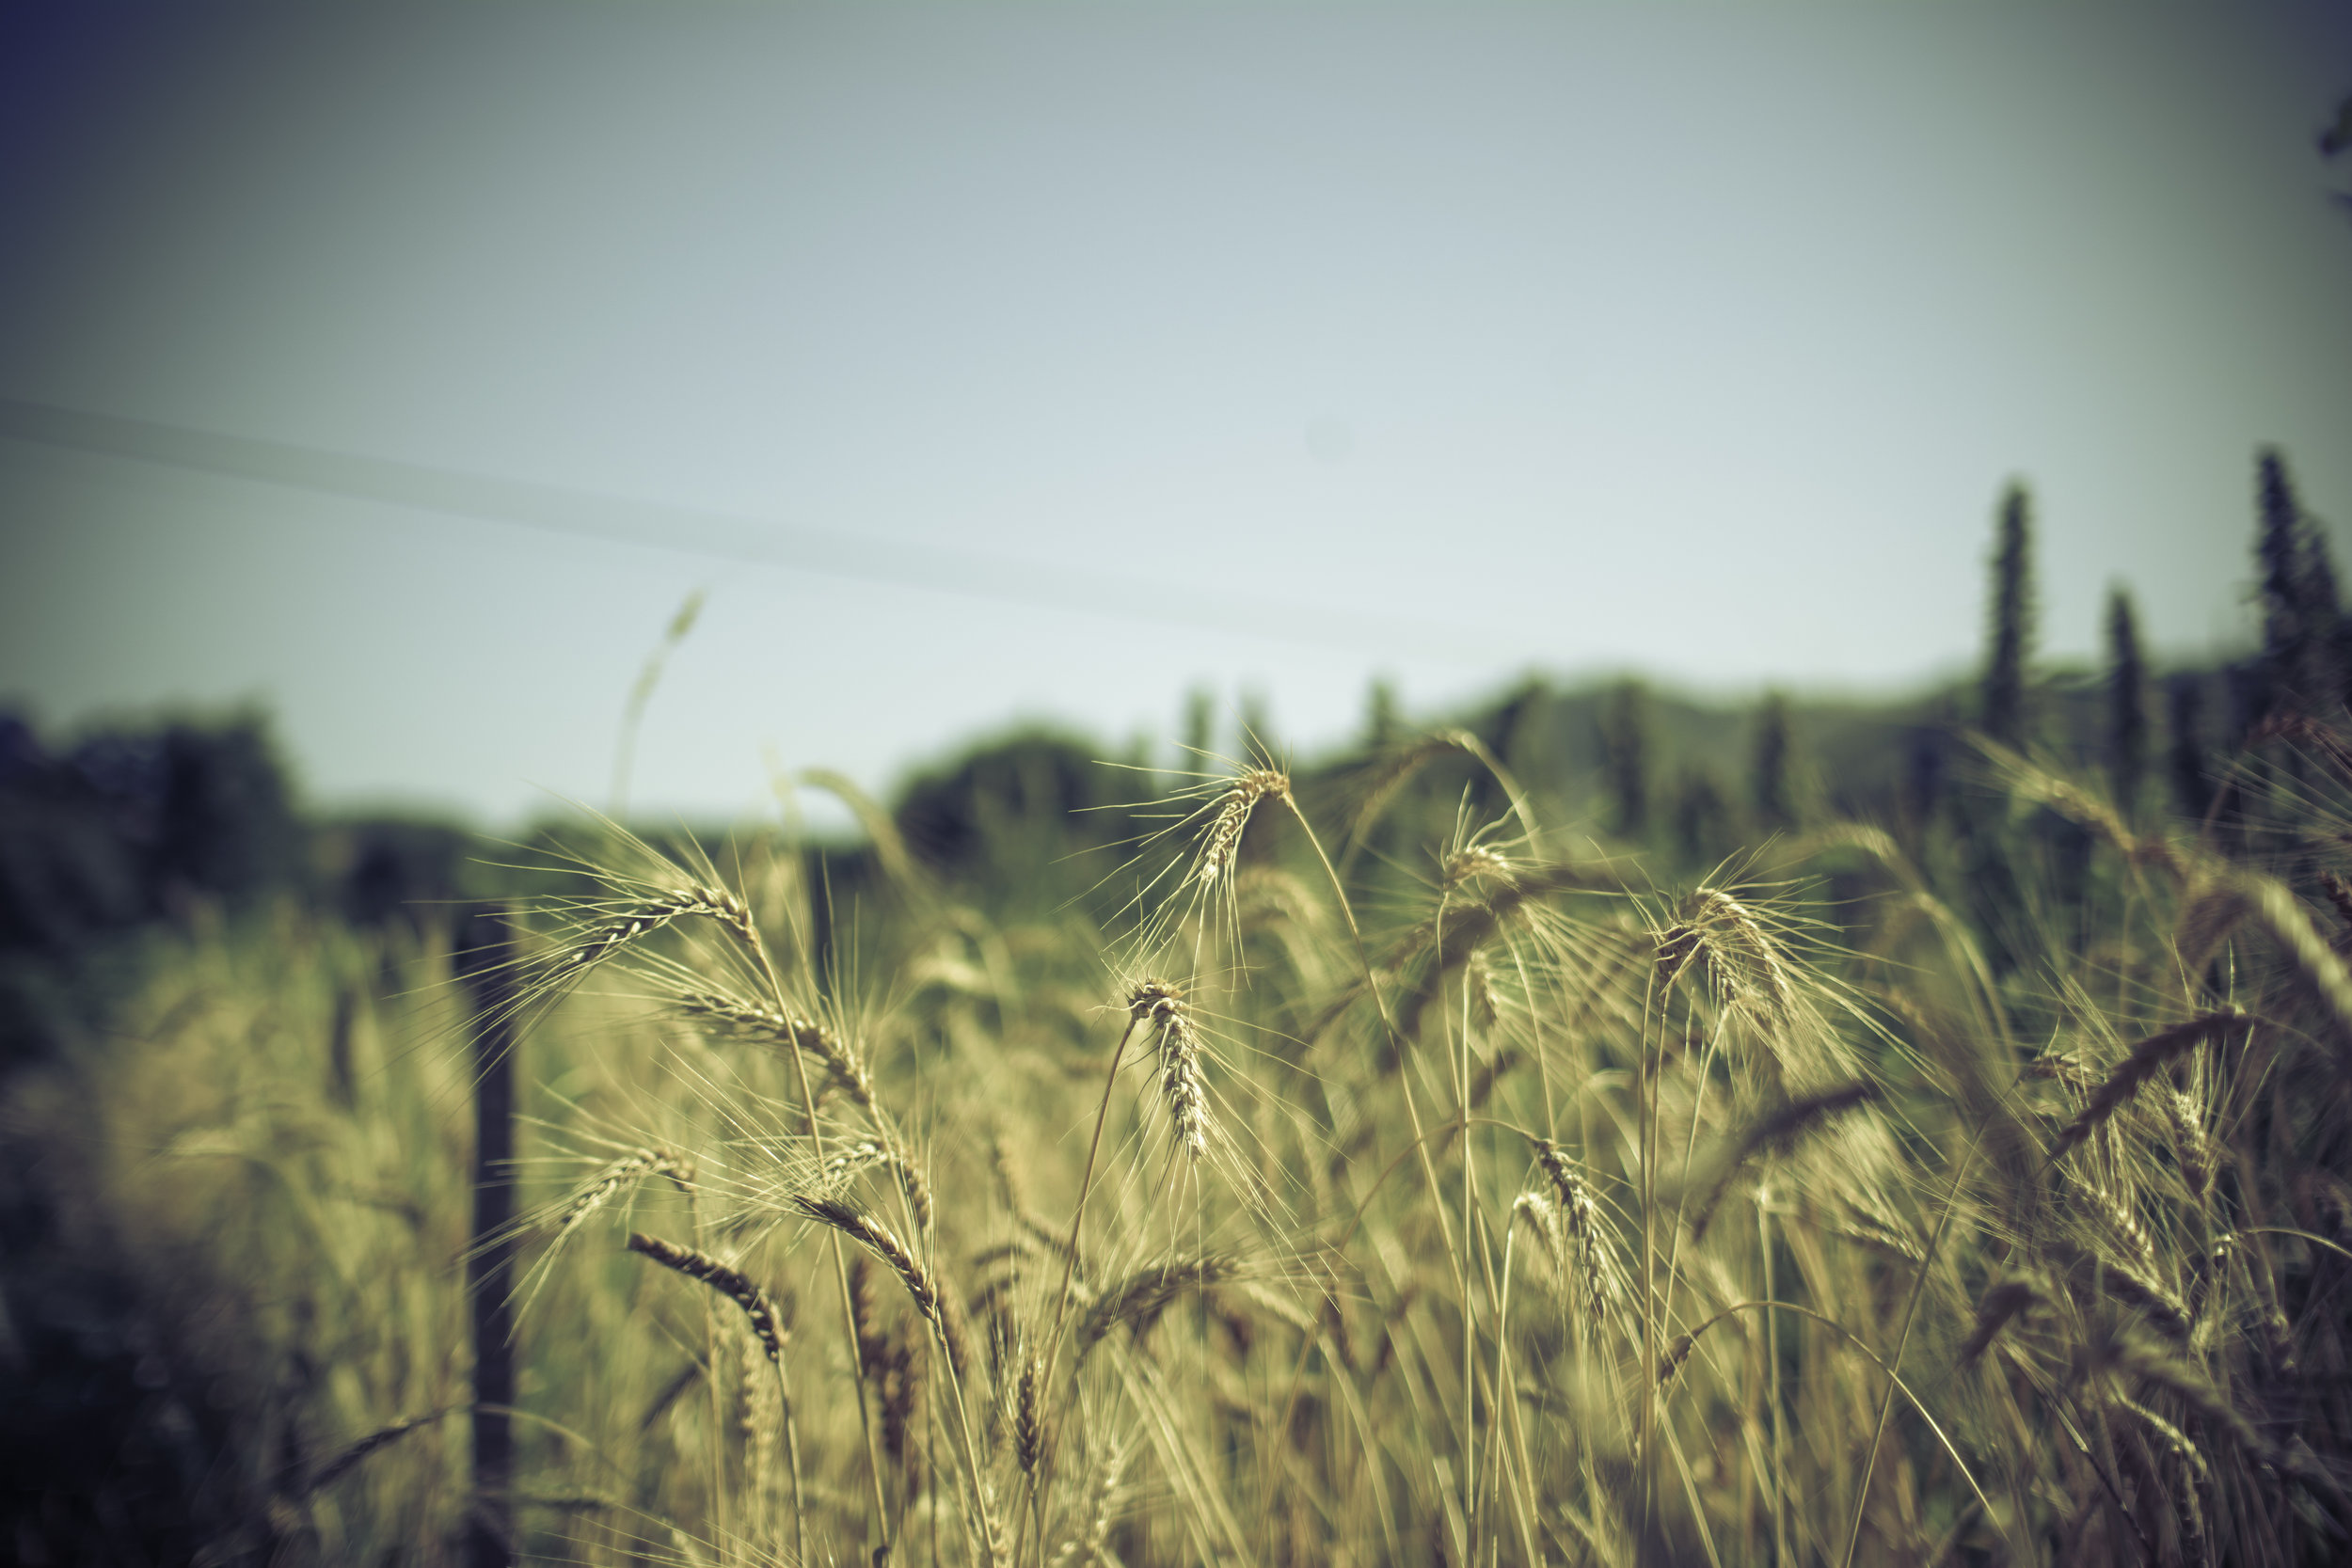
795	546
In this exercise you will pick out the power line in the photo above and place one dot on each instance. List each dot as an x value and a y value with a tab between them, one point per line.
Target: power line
788	546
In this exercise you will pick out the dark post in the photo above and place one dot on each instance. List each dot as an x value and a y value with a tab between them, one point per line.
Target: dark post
486	959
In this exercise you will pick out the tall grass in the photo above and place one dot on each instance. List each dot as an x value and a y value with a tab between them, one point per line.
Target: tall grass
1322	1180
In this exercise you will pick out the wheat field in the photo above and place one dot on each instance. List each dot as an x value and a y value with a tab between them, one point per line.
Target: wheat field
1373	1166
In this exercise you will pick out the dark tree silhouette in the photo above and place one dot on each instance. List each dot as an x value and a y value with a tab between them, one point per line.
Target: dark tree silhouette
2127	701
2277	559
1519	731
1624	751
2300	670
1380	720
1200	730
2004	715
1702	818
1774	796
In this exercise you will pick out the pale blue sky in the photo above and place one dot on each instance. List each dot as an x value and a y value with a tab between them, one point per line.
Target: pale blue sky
1460	341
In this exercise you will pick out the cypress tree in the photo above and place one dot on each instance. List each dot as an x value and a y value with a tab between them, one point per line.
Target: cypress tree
2278	557
1924	767
1519	731
1700	815
2323	603
2004	715
1624	751
2301	669
1198	724
2127	701
1380	720
2275	549
1776	799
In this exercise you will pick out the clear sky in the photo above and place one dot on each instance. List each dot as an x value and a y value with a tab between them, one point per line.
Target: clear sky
988	363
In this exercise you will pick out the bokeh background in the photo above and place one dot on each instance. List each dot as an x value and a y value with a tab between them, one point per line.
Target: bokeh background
401	371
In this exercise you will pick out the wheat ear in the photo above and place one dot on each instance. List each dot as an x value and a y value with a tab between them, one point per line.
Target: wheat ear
1028	1422
1778	1130
731	1283
840	1060
1580	1214
620	1173
345	1463
1999	1304
1142	1296
649	915
1717	933
884	1243
2140	1064
1086	1551
1178	1041
1223	839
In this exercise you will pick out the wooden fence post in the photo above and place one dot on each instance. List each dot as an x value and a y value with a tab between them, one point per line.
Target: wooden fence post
485	957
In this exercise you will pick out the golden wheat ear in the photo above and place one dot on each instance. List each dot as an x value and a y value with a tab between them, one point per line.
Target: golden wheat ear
735	1285
1223	839
1579	1218
1177	1040
2141	1063
1197	881
1138	1300
1779	1129
922	1285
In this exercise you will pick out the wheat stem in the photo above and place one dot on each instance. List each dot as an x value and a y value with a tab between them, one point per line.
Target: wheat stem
750	935
1903	1343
